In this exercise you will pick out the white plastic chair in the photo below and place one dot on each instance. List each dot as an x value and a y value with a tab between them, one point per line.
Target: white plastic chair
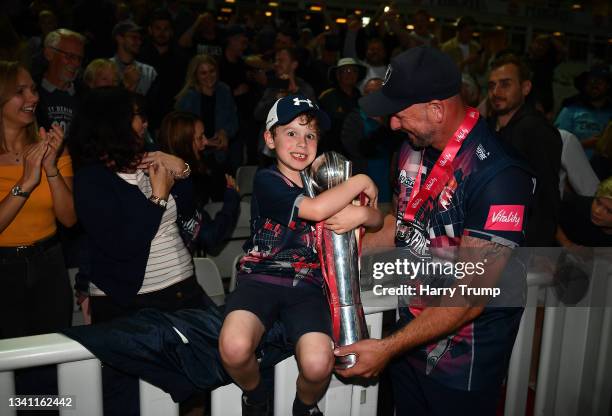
232	283
226	257
243	229
244	180
208	277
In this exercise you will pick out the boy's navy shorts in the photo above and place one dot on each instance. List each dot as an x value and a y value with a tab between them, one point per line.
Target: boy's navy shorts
300	309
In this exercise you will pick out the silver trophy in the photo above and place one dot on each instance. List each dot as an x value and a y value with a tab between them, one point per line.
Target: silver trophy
327	171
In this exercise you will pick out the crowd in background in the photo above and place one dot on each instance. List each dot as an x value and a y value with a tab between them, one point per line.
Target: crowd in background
178	80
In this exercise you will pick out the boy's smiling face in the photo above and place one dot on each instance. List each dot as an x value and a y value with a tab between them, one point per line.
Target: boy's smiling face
295	145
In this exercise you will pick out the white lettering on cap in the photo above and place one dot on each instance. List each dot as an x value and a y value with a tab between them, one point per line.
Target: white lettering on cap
297	101
388	74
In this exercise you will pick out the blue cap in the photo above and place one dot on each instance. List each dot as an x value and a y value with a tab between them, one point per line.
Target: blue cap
287	108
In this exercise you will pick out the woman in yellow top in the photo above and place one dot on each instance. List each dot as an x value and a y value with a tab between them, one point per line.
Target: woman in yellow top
35	191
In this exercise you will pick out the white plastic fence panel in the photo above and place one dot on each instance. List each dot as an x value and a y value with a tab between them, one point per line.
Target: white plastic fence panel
7	389
82	380
156	402
225	401
548	370
518	372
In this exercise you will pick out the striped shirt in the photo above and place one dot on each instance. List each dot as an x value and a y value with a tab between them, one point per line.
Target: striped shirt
169	260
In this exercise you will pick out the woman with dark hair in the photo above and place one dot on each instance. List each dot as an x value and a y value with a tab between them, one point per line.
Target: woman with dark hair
128	211
137	258
182	134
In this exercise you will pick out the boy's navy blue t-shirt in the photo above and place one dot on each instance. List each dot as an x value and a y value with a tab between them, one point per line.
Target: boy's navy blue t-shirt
281	249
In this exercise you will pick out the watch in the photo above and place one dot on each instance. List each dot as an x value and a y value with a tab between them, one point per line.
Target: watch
17	191
158	201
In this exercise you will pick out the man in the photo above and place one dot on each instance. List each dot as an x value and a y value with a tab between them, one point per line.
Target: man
375	53
232	69
342	98
447	359
169	61
464	50
203	36
535	139
137	76
421	35
589	115
285	82
63	49
375	61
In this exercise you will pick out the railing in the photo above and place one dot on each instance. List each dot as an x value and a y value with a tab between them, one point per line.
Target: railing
573	375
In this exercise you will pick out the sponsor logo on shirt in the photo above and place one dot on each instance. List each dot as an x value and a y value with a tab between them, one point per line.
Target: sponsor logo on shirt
405	180
447	194
505	218
481	153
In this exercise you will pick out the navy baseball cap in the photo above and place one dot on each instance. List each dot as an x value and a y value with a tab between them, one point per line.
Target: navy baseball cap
418	75
287	108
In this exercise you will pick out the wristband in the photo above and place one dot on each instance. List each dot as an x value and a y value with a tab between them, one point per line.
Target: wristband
53	176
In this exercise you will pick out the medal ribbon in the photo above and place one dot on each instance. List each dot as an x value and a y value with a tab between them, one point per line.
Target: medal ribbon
441	171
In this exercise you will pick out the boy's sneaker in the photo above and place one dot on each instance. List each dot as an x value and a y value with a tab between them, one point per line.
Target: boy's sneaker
256	409
313	411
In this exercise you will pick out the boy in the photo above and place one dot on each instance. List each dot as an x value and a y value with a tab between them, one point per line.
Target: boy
280	276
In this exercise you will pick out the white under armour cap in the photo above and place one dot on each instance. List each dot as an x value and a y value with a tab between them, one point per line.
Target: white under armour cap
287	108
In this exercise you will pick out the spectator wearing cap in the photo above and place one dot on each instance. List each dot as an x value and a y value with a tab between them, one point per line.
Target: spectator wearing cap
136	76
160	50
63	50
587	220
589	115
521	126
449	356
464	50
339	100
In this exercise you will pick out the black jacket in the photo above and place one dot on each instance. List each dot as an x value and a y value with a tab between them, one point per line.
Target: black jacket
539	143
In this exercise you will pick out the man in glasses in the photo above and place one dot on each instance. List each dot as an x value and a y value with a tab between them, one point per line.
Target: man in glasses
63	50
136	76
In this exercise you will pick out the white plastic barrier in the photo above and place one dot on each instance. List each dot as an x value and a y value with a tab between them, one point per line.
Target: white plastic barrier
363	400
573	375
